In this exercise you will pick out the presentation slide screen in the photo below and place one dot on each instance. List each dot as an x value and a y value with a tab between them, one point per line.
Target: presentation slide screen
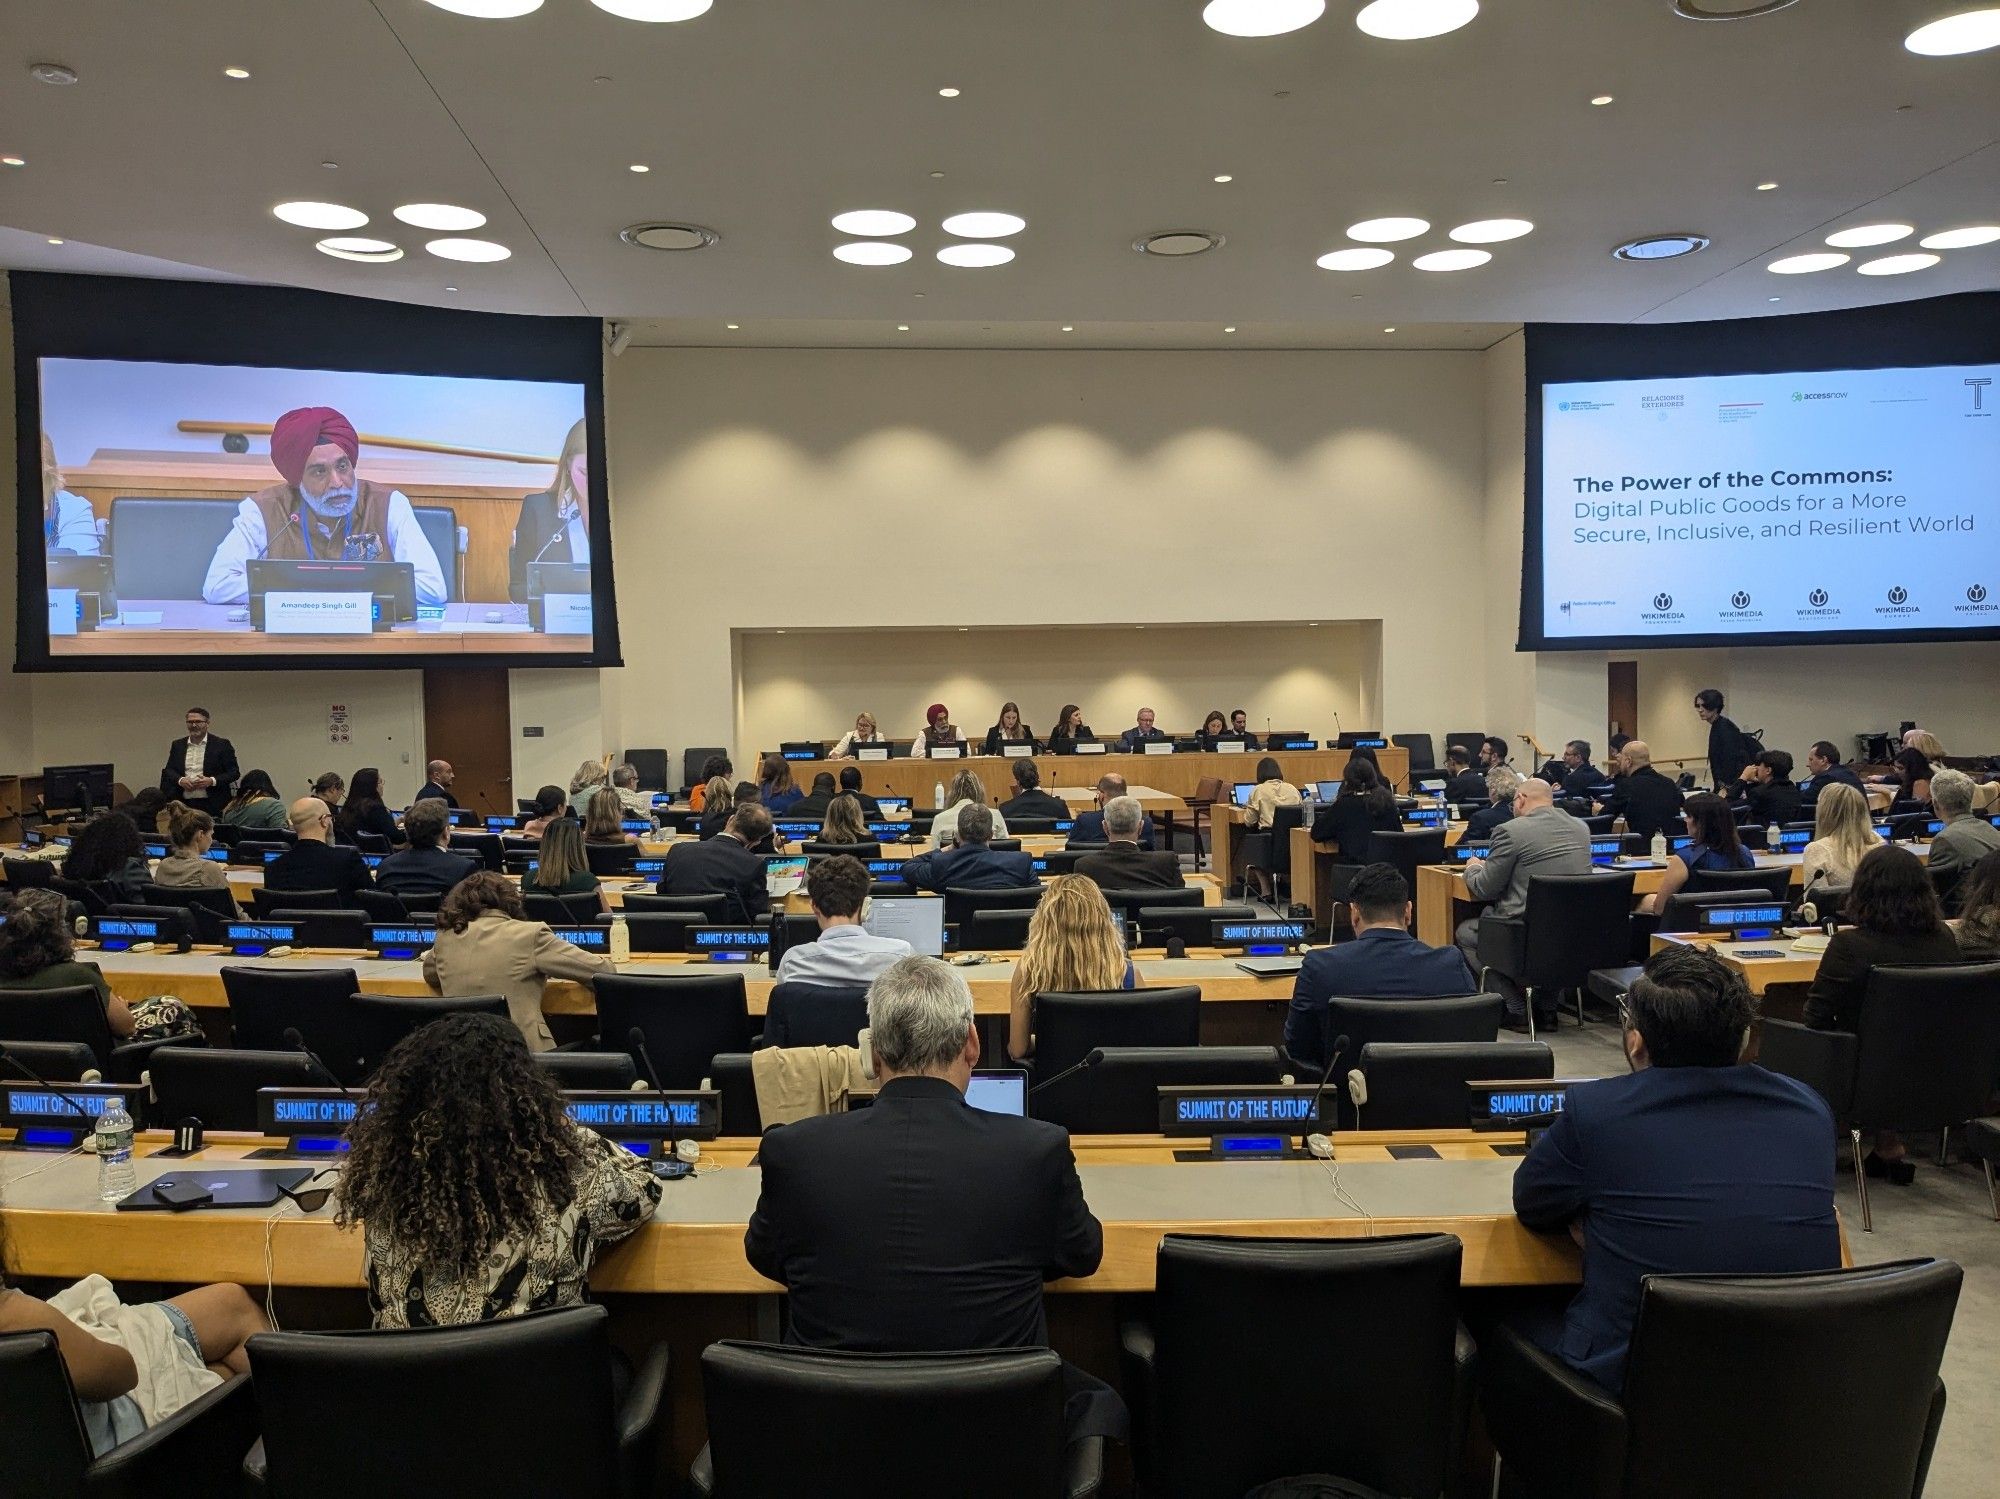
1812	503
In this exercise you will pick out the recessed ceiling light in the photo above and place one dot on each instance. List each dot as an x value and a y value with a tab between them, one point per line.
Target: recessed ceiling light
668	236
1261	17
1224	177
1961	239
1661	247
873	223
1969	31
1069	327
489	10
1774	299
1387	231
1491	231
1413	20
368	251
451	288
1805	265
480	250
235	72
1354	259
12	161
331	166
947	93
1452	260
55	241
58	73
1600	100
1897	265
1767	187
975	256
984	225
1178	243
902	327
871	252
1863	235
443	217
321	215
654	10
639	166
732	327
1230	329
1388	330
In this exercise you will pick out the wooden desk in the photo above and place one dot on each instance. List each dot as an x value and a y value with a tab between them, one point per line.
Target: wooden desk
1761	974
188	625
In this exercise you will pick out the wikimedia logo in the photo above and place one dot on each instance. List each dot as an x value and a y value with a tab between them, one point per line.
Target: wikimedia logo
1976	602
1663	602
1976	594
1899	595
1817	598
1739	600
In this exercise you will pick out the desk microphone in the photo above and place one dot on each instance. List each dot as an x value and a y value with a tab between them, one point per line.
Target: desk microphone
291	521
636	1039
297	1043
35	1077
1334	1054
561	532
1095	1056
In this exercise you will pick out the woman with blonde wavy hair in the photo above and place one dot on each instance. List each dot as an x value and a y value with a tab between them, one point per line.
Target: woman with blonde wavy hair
965	790
1842	836
1072	947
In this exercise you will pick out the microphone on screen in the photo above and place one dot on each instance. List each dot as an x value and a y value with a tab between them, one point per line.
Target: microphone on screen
560	534
636	1039
292	521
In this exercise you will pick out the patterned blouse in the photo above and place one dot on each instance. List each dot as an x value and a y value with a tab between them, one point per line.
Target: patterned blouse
616	1191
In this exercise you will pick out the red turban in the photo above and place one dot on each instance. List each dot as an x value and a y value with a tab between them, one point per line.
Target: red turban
297	433
937	712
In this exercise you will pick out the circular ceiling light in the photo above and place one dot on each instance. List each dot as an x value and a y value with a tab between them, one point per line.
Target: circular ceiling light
489	10
1968	31
368	251
654	10
1491	231
1178	244
1742	10
1897	265
1452	260
1864	235
668	236
871	252
235	72
1661	247
13	161
1387	231
321	215
1961	239
1767	187
975	256
1414	20
984	225
1354	259
1261	17
442	217
59	74
873	223
1805	265
945	93
1600	100
467	249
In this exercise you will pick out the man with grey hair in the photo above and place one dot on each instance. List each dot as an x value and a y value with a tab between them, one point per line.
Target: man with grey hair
637	803
969	864
1124	865
1540	838
1502	782
922	1223
1964	839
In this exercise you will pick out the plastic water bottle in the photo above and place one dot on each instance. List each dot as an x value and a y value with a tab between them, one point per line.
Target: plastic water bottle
117	1178
621	940
937	792
1774	839
1658	847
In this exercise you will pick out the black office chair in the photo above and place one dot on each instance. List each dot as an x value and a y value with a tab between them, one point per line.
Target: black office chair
995	931
1194	925
59	1061
175	922
374	843
1407	851
28	874
1026	826
265	1002
532	1410
218	1085
611	858
1813	1343
423	908
1422	755
603	1071
266	902
812	848
730	1075
1063	860
89	895
562	910
1389	1365
161	548
1273	853
1132	902
651	765
959	904
208	909
75	1014
1573	923
45	1451
1422	1084
814	1015
692	760
1067	1027
1461	1019
1120	1095
662	931
712	908
1923	1055
486	848
339	930
790	929
385	1019
1771	884
1947	883
686	1020
854	1414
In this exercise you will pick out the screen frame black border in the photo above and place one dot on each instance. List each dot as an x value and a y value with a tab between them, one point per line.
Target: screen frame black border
64	316
1960	328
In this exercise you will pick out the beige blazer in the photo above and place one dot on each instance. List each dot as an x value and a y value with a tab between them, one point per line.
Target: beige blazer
498	955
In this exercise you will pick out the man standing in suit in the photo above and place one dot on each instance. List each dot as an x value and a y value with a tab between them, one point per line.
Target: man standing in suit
438	787
1089	826
1540	838
922	1223
1383	962
1647	800
1139	734
1124	865
969	864
1696	1164
201	769
315	861
724	865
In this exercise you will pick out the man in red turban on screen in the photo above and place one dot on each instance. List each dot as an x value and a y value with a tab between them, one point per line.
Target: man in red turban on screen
321	510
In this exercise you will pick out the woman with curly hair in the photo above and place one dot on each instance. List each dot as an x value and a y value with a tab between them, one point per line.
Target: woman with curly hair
38	951
486	945
107	851
478	1199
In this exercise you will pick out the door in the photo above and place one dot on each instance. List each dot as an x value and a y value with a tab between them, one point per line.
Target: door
1621	697
467	721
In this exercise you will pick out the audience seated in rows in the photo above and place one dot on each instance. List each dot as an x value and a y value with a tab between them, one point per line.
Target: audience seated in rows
966	790
1964	839
1089	826
562	865
1072	948
631	800
106	852
1979	923
365	812
1766	789
551	802
486	945
1502	782
1650	803
604	820
846	954
255	805
1823	769
1716	846
1463	784
718	806
1843	836
850	785
724	865
427	866
314	861
815	802
1123	865
190	835
969	864
779	792
845	822
1541	838
1255	853
1029	800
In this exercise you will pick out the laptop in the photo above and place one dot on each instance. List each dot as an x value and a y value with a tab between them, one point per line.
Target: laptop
917	919
1271	967
783	873
1002	1090
1327	791
1243	790
256	1187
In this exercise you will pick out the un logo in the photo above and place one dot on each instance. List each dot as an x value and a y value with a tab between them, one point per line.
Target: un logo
1817	598
1563	407
1739	600
1976	594
1663	602
1899	595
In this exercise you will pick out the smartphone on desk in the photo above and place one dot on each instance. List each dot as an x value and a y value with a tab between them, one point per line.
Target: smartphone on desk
180	1193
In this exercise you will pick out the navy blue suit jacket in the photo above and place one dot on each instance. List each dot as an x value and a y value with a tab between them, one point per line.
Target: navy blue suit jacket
1679	1171
1381	963
1812	786
972	866
1089	828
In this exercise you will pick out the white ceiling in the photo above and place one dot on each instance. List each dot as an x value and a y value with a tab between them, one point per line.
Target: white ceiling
1098	120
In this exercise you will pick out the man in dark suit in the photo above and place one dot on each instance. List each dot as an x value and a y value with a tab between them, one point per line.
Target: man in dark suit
1124	865
1239	723
815	802
1140	734
315	862
850	785
1647	800
438	787
1579	776
201	769
427	866
1383	962
1823	769
1029	800
969	864
1463	784
724	865
1696	1164
922	1223
1089	827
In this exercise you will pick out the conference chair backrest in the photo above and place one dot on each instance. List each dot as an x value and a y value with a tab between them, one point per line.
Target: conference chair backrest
161	548
341	930
562	910
1120	1095
1383	1419
651	766
1194	925
1407	851
1063	860
1461	1018
714	907
487	848
995	931
264	902
1022	826
317	1002
1927	1045
813	848
611	858
1682	912
959	903
856	1412
1422	755
90	896
730	1075
1813	1343
1283	820
662	931
385	1019
28	874
1575	923
73	1014
373	843
790	929
531	1399
219	1086
43	1449
686	1020
59	1061
1949	884
1421	1084
1132	902
814	1015
692	760
606	1071
217	904
175	922
1068	1026
439	523
1756	883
